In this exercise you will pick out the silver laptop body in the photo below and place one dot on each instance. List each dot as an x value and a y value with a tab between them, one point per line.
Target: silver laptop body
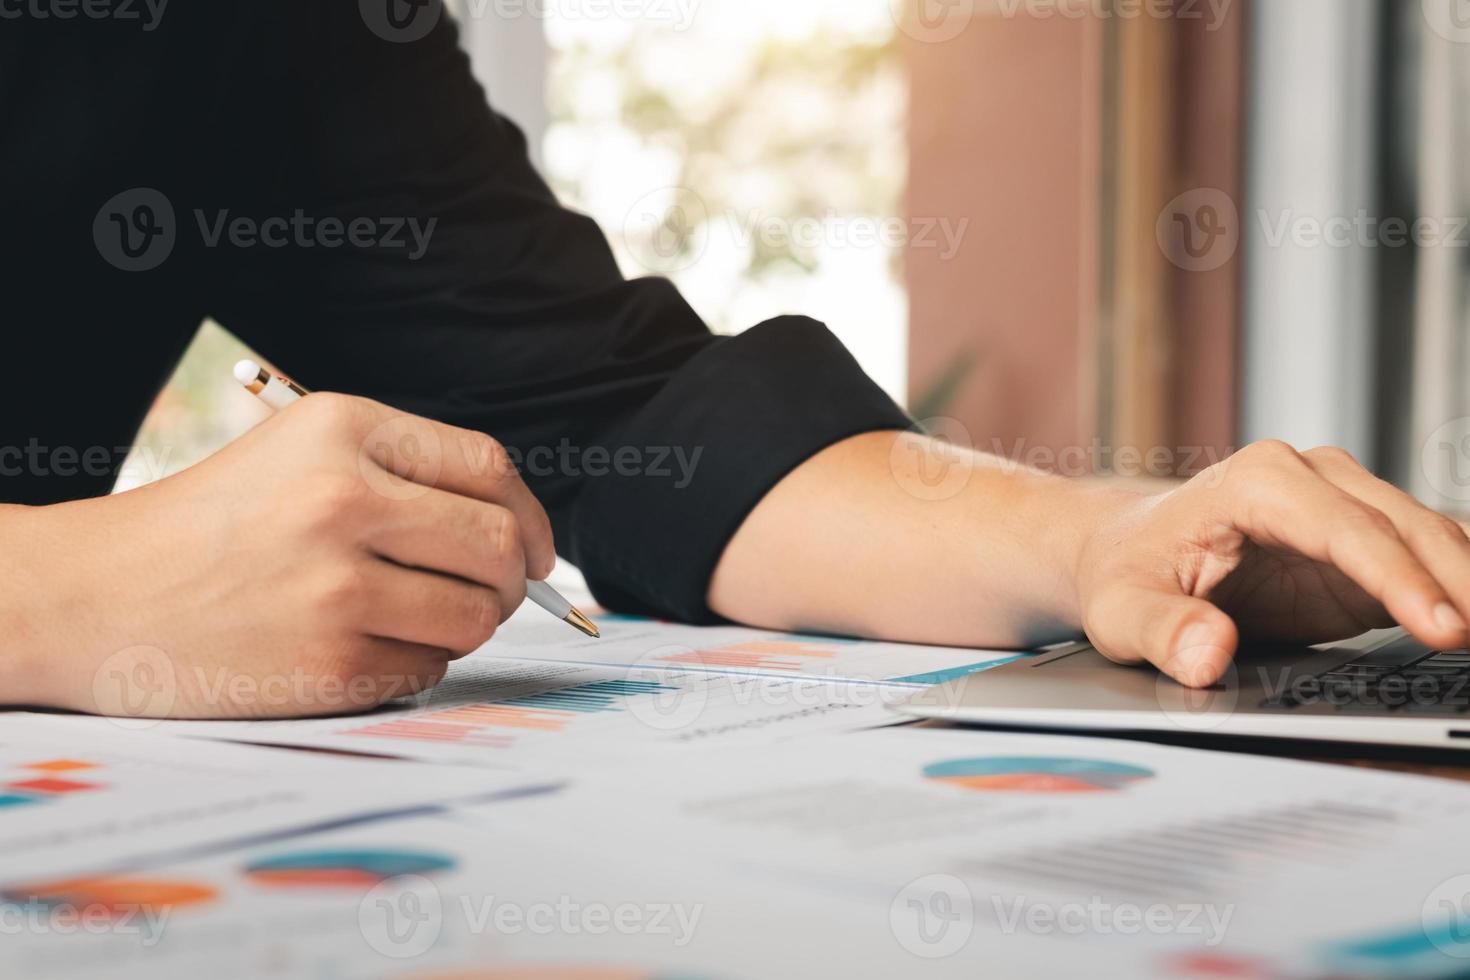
1382	687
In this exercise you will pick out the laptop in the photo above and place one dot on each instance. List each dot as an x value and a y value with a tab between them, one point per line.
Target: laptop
1383	688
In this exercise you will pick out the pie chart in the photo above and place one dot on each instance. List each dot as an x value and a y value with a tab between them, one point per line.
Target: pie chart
543	972
343	868
1037	774
112	897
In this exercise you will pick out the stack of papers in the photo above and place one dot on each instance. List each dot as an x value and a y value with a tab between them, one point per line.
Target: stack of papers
704	803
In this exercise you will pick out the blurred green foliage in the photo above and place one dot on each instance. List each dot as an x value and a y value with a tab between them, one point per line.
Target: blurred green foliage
757	127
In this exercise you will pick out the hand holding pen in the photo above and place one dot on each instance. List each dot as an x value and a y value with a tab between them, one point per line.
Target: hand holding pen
280	392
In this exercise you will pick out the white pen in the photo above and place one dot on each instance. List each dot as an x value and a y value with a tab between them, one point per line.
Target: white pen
279	391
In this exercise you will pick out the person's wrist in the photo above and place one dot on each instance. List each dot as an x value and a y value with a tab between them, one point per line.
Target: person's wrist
1087	518
51	606
23	593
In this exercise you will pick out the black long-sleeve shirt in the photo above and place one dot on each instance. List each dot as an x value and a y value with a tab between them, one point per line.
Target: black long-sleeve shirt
396	244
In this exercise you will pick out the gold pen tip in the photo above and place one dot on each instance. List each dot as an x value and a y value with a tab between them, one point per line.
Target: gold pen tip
584	624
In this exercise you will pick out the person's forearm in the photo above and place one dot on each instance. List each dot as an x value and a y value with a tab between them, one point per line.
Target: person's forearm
887	535
24	606
892	535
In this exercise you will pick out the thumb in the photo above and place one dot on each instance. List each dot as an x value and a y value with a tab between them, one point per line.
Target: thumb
1189	639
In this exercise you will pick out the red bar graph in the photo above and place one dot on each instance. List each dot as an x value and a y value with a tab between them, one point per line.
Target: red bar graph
756	655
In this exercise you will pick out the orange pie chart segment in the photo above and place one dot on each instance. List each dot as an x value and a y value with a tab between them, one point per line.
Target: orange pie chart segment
113	898
1037	774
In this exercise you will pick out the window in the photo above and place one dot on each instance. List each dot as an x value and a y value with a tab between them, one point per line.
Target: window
751	150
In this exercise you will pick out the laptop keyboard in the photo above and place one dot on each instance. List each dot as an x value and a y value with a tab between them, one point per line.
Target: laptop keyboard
1435	684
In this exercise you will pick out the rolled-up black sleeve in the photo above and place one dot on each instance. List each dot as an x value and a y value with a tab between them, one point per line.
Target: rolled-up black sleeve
745	411
647	438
